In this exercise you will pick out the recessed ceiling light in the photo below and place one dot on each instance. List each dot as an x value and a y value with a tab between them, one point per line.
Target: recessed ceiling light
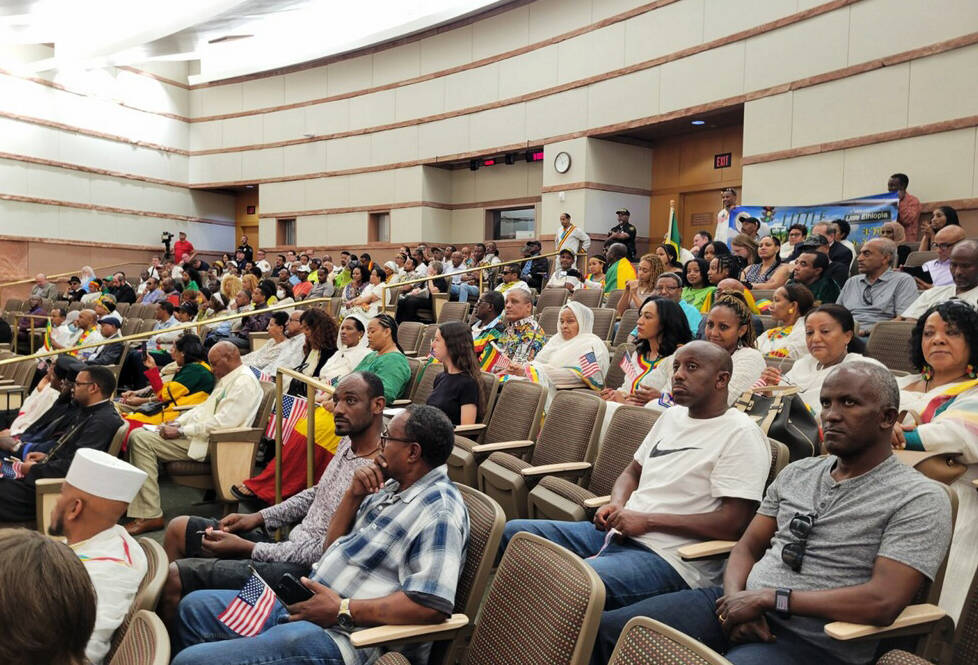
698	122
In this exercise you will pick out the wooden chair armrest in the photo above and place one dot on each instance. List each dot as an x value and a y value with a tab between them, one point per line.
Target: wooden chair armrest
912	615
49	485
576	468
232	455
705	549
13	388
474	427
236	434
486	448
429	632
401	402
6	382
184	407
597	501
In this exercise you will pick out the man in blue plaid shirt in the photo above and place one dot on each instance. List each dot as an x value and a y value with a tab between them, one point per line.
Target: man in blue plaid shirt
394	552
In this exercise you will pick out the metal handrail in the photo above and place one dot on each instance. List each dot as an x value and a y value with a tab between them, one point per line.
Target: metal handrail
312	385
65	274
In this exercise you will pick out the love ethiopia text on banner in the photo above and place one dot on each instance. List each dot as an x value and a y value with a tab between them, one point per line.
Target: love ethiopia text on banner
866	215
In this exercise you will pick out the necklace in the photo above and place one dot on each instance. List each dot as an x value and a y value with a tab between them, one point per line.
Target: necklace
349	458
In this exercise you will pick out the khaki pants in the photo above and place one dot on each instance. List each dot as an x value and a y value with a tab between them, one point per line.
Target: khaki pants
145	450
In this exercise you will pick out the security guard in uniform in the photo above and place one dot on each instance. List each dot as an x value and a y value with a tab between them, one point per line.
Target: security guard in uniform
623	232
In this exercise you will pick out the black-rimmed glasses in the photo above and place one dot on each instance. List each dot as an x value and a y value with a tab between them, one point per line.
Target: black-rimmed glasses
385	438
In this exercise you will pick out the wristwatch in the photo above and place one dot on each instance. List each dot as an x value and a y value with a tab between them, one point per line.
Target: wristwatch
782	604
344	620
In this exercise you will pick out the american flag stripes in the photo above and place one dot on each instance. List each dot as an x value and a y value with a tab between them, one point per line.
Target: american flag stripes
247	612
11	468
589	364
260	375
628	366
293	410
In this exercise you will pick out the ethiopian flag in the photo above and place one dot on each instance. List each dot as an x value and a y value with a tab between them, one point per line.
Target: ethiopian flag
672	236
618	274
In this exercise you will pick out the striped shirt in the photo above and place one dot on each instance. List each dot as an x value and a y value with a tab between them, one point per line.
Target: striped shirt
412	541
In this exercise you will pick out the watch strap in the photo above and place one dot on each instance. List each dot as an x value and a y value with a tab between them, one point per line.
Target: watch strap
782	603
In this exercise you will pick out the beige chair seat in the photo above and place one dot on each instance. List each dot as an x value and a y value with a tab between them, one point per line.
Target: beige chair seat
565	488
509	462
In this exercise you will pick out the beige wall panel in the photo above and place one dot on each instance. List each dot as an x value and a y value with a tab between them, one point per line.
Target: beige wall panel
600	209
246	130
349	75
328	118
219	99
146	92
703	77
435	184
577	149
618	164
258	164
406	225
463	185
436	224
348	152
445	137
503	182
886	26
13	175
943	87
472	87
467	225
283	125
592	53
500	33
348	228
799	181
502	126
447	49
19	218
839	109
120	193
305	85
623	98
261	92
419	100
554	17
23	138
304	158
601	9
725	18
276	197
205	135
333	192
371	110
767	124
58	184
556	114
796	51
395	145
663	31
527	73
266	233
397	64
214	168
372	188
534	178
409	183
575	202
868	167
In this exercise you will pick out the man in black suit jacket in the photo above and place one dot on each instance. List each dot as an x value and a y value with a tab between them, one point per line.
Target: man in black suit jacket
121	289
111	353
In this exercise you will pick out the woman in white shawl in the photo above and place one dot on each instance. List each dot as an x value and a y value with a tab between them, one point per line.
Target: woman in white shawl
569	357
351	348
789	306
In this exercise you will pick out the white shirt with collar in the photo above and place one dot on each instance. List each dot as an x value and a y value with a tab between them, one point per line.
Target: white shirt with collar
95	352
233	403
938	294
454	271
157	341
575	241
478	328
264	266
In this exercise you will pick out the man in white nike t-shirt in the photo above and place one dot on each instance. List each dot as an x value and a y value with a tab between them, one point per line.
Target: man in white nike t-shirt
699	475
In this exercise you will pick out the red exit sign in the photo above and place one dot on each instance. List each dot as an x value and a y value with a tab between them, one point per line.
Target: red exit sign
722	161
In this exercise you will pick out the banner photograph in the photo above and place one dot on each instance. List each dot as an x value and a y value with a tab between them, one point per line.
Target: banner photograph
865	215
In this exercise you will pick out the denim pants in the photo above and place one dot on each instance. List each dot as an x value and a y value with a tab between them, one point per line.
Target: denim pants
630	572
693	612
463	291
204	640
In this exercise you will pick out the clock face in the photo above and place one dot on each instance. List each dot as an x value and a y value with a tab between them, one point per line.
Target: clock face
562	162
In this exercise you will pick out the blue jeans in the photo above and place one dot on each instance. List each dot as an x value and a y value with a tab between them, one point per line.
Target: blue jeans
203	640
630	572
694	612
463	291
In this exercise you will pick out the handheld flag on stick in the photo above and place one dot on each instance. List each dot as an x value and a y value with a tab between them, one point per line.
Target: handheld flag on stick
250	608
672	235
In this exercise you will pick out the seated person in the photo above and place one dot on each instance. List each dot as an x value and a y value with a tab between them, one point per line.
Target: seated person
964	273
222	551
110	353
619	269
697	287
458	391
567	276
93	498
351	349
257	322
846	537
52	597
670	285
520	341
789	305
54	383
941	401
190	386
828	338
811	271
393	554
33	320
709	488
185	313
487	320
233	403
92	424
728	325
574	357
264	359
510	279
877	293
415	297
105	308
639	289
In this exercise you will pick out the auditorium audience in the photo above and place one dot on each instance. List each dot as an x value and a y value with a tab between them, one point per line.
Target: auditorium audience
522	338
668	257
265	358
121	289
415	297
488	314
964	273
619	269
43	288
33	321
670	285
459	390
710	488
595	272
569	356
789	304
796	235
769	272
696	284
351	349
745	247
567	276
511	280
714	249
729	325
109	353
941	402
941	217
894	231
939	270
877	293
639	289
811	272
320	331
56	382
835	530
836	270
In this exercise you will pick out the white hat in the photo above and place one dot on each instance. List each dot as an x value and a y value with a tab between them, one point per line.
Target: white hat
103	475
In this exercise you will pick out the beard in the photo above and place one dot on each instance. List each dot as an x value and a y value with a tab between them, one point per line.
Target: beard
56	527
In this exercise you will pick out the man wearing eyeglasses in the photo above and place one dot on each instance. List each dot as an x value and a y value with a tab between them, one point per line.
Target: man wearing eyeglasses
877	293
964	272
939	269
846	537
393	554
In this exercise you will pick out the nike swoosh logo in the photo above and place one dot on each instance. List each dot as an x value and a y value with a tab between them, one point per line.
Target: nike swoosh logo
655	452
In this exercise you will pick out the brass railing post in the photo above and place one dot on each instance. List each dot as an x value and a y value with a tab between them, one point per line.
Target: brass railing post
278	438
310	432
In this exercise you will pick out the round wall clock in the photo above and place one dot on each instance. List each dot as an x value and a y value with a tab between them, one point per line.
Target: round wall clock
562	162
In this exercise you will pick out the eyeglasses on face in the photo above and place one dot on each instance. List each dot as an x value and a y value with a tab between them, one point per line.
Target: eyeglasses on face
385	438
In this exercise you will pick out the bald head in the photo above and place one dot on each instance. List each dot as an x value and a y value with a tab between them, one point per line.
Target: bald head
730	284
86	319
224	358
615	252
964	265
701	372
946	239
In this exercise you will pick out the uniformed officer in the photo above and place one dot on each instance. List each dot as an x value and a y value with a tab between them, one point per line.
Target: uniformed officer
623	232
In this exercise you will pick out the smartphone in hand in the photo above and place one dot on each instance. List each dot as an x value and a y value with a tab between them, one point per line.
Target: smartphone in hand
290	590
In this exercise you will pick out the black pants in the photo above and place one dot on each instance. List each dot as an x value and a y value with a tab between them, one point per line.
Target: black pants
409	306
17	500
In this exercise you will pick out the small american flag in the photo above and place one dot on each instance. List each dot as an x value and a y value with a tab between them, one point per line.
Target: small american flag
627	366
293	410
589	364
247	612
11	468
260	375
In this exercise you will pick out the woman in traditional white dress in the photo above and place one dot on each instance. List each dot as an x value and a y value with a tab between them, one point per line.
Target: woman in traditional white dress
351	348
569	358
789	306
369	301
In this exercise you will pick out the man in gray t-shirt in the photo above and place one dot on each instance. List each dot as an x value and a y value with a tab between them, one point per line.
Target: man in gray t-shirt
848	537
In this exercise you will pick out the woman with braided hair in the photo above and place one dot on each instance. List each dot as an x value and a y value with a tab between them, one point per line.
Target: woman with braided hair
729	326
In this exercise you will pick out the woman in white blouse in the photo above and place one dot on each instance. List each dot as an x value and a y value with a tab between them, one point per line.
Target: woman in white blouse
789	305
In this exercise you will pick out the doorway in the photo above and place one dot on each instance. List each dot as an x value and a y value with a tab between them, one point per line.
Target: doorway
697	212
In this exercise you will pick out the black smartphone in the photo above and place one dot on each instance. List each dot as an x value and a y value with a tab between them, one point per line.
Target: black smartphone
290	590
